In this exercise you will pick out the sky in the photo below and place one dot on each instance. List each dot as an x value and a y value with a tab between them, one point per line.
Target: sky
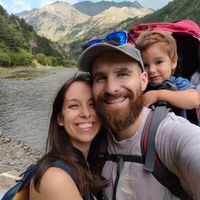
15	6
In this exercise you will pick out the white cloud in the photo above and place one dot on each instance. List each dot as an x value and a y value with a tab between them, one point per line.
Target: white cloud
22	4
13	9
3	4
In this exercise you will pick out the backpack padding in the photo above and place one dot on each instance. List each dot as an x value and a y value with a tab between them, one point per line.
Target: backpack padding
188	55
182	27
158	116
169	180
13	192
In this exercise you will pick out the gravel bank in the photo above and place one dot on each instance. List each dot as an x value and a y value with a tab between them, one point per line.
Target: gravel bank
15	156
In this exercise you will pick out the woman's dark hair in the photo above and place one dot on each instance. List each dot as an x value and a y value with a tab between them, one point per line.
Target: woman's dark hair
59	146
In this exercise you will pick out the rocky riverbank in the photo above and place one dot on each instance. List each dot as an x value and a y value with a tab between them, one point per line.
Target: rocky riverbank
15	156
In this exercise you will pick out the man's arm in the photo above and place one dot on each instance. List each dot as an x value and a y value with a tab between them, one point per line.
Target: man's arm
178	146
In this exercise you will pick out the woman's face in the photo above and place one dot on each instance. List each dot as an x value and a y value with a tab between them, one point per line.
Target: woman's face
78	115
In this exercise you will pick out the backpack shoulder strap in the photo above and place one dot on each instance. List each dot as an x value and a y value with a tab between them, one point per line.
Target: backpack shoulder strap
152	161
12	192
149	133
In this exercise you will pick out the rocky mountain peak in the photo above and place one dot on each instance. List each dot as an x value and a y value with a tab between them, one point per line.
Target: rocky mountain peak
54	20
59	19
93	9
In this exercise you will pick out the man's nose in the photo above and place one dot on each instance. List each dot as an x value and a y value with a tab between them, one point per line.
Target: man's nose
111	86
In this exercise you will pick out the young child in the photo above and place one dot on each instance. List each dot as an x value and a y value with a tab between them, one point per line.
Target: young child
159	53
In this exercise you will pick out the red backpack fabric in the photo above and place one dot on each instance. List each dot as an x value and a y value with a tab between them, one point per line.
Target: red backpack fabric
183	27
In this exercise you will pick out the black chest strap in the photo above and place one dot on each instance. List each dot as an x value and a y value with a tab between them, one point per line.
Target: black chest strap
120	159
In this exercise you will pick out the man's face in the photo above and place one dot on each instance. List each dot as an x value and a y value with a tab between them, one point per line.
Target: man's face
118	85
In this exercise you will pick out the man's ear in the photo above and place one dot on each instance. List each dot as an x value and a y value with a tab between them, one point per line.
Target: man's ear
60	119
144	80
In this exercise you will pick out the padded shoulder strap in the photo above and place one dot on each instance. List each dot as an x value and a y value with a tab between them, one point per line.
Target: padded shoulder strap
10	194
158	115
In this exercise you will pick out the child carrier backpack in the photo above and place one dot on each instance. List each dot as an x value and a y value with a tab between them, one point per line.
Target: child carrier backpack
187	36
149	158
21	190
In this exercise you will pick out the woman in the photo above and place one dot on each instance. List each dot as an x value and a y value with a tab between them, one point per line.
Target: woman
73	126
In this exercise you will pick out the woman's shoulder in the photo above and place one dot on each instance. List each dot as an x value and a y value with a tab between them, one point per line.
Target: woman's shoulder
57	175
58	184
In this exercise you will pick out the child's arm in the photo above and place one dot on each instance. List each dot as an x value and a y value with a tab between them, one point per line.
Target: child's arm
185	99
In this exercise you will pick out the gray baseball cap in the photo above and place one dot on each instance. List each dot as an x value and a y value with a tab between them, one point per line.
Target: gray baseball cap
87	57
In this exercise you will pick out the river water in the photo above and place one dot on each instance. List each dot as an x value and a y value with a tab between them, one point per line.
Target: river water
25	107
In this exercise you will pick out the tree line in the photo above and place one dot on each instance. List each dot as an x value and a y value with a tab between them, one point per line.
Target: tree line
20	45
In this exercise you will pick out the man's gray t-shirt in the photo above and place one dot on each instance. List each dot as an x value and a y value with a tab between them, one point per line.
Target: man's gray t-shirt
177	141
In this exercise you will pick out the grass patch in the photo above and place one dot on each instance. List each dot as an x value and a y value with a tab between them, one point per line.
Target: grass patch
28	74
22	72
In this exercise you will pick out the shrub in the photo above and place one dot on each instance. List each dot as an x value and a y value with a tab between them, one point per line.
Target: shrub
5	59
41	58
21	58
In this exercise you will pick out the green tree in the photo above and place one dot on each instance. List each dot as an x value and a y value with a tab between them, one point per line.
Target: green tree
5	59
21	58
41	58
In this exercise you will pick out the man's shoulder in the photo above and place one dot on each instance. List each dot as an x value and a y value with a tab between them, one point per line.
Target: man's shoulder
174	120
173	126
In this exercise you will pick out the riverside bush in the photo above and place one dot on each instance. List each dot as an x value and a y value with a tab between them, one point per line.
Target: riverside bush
49	60
21	58
5	59
10	58
40	57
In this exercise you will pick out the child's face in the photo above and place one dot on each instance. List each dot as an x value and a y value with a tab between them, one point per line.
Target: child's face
157	63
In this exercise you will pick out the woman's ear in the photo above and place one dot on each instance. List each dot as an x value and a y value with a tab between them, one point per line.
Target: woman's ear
60	119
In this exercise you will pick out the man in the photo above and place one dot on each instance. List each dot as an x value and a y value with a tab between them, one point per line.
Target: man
118	84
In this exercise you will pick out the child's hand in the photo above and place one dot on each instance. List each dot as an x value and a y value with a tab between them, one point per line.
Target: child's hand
150	97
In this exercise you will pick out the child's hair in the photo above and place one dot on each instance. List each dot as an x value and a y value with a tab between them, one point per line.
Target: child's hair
167	41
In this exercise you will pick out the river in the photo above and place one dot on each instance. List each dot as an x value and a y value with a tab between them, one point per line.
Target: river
25	107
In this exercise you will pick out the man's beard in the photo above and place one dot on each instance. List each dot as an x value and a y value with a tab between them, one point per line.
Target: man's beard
120	119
